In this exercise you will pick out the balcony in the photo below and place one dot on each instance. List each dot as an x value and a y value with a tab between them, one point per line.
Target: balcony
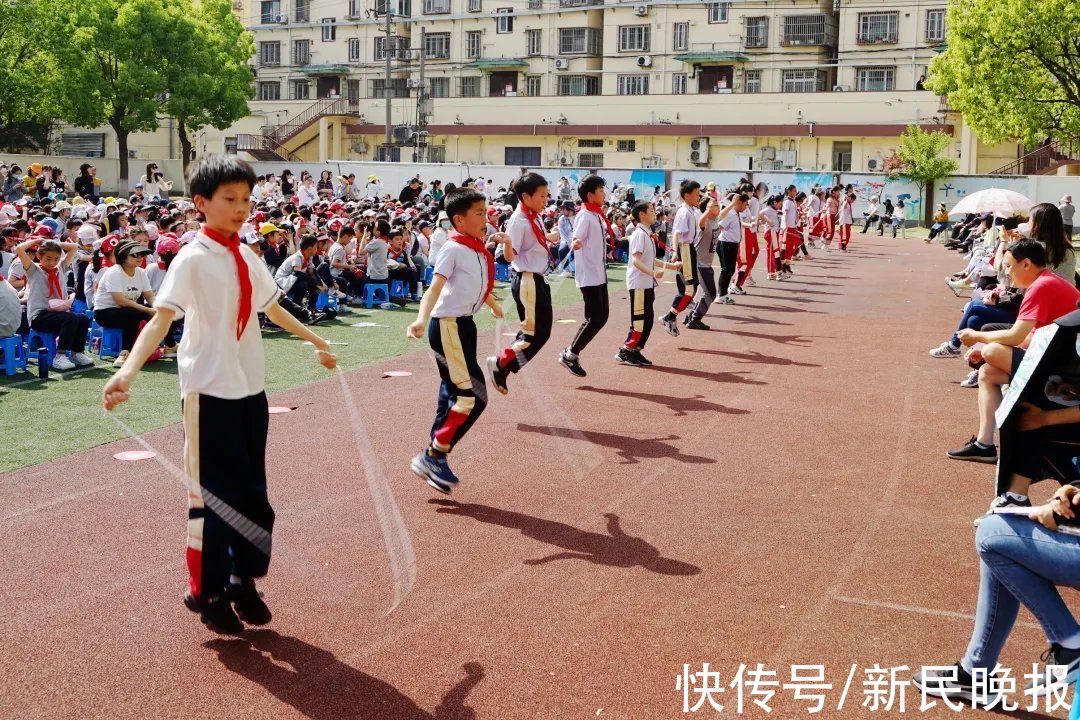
808	31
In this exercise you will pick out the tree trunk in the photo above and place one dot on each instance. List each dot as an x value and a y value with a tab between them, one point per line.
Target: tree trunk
186	155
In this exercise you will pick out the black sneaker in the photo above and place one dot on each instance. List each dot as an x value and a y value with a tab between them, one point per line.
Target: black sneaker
642	360
954	683
671	324
1049	681
216	614
628	357
316	318
249	603
973	453
697	325
1003	501
571	364
498	375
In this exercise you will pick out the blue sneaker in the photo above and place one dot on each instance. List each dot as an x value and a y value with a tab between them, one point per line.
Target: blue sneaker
436	471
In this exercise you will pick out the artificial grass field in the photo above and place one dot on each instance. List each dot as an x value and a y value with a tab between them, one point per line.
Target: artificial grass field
40	421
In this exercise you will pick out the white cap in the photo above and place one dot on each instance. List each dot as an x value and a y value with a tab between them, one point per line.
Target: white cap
10	210
62	205
87	233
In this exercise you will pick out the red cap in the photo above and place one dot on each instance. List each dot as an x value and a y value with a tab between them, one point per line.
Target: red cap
109	243
259	217
168	243
44	231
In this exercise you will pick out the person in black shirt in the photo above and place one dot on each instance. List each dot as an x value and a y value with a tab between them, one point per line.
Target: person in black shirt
411	192
85	184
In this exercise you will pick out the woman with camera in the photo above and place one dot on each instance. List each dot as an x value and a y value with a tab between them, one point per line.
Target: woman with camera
154	183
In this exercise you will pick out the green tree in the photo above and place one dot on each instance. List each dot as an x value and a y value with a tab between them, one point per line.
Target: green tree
209	80
111	52
1012	67
28	75
920	161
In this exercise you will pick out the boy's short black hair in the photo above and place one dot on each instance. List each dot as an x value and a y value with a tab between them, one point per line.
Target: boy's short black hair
460	201
640	206
308	241
346	230
51	246
212	171
688	186
528	184
1026	249
383	227
589	185
396	232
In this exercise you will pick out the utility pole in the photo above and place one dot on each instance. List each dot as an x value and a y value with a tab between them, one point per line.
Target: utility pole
387	90
419	145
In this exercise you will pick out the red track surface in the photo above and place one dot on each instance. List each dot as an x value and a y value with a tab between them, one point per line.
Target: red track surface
775	481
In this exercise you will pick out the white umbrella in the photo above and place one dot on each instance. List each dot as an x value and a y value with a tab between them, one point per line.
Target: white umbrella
1005	203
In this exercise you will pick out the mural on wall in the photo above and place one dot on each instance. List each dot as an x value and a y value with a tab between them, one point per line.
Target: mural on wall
867	186
951	190
724	179
643	181
778	182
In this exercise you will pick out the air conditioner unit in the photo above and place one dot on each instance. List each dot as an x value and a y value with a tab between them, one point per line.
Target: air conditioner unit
699	150
561	63
566	160
133	153
841	88
412	83
768	153
238	4
700	143
651	161
644	60
872	164
641	10
698	157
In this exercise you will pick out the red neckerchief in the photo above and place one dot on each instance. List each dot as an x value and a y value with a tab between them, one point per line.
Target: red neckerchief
243	312
161	265
533	217
53	277
594	208
478	247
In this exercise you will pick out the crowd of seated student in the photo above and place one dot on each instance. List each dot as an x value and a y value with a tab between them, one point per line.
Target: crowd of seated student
1023	278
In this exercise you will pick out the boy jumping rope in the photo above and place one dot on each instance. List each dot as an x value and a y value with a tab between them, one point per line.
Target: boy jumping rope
218	285
528	255
685	231
642	272
462	284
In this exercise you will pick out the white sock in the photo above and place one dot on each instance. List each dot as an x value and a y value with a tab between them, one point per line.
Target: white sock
235	580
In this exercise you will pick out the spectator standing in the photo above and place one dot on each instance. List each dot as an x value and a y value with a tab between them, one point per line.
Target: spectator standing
1068	210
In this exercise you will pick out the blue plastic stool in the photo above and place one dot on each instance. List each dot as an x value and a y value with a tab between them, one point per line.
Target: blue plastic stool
622	255
332	302
398	289
78	306
14	356
502	272
321	300
373	289
1075	714
36	341
112	343
429	275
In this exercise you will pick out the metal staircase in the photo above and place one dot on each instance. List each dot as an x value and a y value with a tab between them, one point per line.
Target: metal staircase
272	144
1043	160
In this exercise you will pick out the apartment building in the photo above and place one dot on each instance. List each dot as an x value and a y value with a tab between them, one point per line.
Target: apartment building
746	84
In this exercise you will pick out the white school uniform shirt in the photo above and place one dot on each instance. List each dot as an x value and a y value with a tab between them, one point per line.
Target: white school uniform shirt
201	287
589	267
772	219
336	252
6	260
754	206
845	213
641	242
731	230
815	204
116	280
790	214
686	224
156	275
466	273
532	255
307	196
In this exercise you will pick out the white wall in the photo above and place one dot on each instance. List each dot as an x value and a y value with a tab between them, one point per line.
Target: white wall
108	169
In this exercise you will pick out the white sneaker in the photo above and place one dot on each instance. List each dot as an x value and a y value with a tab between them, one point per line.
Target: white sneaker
946	350
736	290
119	361
61	362
726	300
82	359
971	381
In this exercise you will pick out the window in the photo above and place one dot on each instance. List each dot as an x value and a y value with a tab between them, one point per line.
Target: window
532	43
299	90
470	87
397	46
680	38
579	41
591	160
270	11
269	53
536	4
841	156
579	85
806	80
397	7
230	145
472	43
329	29
935	25
352	89
504	21
634	38
437	45
521	156
878	27
753	81
398	88
757	32
355	8
436	7
718	12
587	143
678	84
804	30
354	49
440	87
875	78
626	145
633	84
303	11
576	3
301	52
270	90
475	6
532	85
